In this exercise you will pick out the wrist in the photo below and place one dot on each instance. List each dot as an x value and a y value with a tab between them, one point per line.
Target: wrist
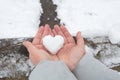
70	65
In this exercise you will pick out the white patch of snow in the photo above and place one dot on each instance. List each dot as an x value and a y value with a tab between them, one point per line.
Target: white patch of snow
110	55
114	33
19	18
91	17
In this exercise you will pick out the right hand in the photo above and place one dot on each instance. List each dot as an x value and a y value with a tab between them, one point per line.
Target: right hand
72	52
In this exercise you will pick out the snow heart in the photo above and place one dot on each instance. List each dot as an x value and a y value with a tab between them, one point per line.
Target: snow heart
53	44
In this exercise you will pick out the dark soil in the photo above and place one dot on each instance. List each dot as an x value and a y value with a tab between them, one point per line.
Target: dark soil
49	14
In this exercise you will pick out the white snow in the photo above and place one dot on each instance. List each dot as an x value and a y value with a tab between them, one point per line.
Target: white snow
53	44
19	18
91	17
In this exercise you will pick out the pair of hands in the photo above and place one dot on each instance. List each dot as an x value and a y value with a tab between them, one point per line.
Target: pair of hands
70	53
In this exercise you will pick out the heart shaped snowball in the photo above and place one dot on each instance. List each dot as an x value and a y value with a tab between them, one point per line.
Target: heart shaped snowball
53	44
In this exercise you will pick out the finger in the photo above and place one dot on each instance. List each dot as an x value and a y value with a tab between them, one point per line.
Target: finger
58	30
50	32
80	41
67	35
33	52
46	30
39	46
54	32
38	36
80	44
65	31
30	47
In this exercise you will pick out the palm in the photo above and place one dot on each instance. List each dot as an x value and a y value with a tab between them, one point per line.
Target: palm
66	49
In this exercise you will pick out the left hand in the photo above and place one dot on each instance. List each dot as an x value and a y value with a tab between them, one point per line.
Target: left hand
36	50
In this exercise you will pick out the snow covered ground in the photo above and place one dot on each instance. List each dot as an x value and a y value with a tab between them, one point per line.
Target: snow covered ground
91	17
14	65
20	18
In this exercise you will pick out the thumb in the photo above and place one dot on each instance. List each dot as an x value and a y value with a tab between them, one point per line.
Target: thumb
30	47
33	52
